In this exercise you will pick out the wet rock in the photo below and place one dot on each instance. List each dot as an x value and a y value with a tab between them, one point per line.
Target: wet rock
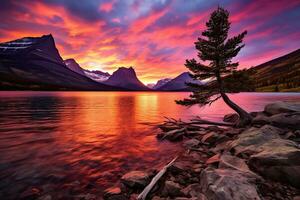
261	118
87	196
221	147
281	107
286	120
191	143
31	193
179	167
214	128
136	179
172	189
214	159
252	139
193	191
45	197
226	184
279	160
174	135
114	193
234	163
210	138
232	118
233	131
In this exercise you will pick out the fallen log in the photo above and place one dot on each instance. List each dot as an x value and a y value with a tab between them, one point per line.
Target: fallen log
156	178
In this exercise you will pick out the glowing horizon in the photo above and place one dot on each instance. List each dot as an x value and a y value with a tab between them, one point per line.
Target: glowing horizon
155	37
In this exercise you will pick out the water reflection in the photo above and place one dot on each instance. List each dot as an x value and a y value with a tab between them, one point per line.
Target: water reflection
68	143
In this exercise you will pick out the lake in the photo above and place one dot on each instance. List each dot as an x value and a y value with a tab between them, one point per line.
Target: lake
70	143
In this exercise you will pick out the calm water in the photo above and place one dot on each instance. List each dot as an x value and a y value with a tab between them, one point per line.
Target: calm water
70	143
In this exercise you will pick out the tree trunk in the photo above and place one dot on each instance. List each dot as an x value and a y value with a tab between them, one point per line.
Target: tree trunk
245	117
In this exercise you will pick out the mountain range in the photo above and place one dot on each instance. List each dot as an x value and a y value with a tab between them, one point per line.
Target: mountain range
34	63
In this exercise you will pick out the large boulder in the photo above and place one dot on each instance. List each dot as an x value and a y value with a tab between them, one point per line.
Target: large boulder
261	118
270	155
282	107
227	184
279	160
136	179
286	120
252	139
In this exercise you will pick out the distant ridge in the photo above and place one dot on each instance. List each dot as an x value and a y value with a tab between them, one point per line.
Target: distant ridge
126	78
279	74
178	83
34	63
161	82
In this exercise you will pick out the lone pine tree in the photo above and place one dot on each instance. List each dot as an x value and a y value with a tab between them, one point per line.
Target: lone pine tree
216	49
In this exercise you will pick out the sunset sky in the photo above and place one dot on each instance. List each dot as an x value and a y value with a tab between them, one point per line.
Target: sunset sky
153	36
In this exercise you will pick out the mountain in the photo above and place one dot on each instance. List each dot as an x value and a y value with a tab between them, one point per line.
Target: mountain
150	85
126	78
280	74
161	82
178	83
97	75
34	63
74	66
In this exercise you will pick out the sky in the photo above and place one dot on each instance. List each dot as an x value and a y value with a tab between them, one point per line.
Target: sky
153	36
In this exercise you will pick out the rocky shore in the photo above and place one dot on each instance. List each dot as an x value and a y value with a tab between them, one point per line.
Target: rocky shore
261	161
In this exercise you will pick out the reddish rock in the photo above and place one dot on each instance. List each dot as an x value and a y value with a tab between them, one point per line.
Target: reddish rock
136	179
210	138
213	159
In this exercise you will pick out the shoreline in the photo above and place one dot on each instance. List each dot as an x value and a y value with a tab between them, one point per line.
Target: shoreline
257	162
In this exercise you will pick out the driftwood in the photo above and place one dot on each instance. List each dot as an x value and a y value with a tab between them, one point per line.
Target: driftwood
173	124
154	180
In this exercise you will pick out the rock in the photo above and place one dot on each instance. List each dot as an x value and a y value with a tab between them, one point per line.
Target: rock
114	193
261	118
278	160
45	197
174	135
191	143
232	162
214	128
286	120
31	193
179	167
282	107
136	179
194	191
210	138
232	118
296	198
226	184
233	131
214	159
251	139
172	189
87	196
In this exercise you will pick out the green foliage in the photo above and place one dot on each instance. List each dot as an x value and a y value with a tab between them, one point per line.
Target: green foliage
216	49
